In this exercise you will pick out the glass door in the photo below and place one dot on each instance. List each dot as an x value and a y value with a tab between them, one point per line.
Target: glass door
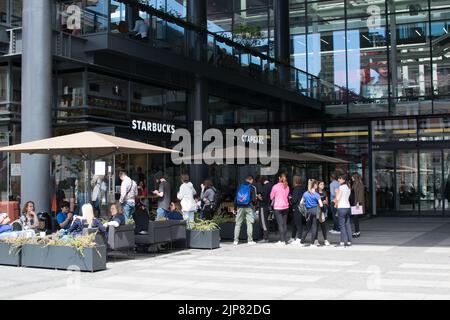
384	181
431	186
407	199
446	181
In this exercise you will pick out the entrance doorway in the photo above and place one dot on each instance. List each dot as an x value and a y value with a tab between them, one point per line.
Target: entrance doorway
412	182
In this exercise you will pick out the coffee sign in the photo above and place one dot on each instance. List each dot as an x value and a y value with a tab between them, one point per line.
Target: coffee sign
149	126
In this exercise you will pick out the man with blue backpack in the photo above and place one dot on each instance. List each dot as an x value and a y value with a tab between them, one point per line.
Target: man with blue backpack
245	202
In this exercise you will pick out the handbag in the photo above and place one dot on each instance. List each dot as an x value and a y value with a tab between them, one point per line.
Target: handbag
356	211
322	217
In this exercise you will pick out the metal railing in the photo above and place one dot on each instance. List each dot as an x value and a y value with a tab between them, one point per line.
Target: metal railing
169	32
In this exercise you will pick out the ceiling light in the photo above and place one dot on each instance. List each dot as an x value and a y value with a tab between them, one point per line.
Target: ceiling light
418	33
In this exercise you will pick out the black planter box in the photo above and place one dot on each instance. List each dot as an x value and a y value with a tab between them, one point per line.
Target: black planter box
227	231
61	257
203	239
9	256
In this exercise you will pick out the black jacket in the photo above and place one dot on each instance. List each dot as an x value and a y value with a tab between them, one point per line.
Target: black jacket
264	191
297	194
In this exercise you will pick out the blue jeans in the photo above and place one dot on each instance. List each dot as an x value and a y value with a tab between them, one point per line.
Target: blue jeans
128	210
335	218
345	224
189	215
161	213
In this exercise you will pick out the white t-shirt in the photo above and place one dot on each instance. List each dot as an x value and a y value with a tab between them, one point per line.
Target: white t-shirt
345	195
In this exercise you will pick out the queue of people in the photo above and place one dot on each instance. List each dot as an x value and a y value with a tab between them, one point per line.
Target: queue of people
310	207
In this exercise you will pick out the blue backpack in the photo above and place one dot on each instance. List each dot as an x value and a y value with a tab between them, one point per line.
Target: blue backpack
243	196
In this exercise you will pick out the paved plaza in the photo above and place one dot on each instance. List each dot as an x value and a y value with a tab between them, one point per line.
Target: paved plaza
396	258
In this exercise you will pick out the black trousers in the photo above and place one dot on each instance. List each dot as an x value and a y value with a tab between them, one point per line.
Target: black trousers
297	227
311	225
264	219
323	227
281	216
355	219
208	212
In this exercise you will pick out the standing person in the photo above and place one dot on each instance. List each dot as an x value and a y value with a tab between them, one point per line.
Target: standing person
140	31
296	197
164	197
207	197
323	216
358	189
186	195
280	196
128	194
28	218
313	203
344	211
334	185
97	192
263	193
245	202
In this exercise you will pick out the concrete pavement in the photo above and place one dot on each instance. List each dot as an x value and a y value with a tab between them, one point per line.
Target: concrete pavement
396	258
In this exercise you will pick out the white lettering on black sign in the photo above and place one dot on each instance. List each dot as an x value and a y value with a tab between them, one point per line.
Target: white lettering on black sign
152	126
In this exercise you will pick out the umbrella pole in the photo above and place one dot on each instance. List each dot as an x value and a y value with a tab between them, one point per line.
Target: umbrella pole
88	185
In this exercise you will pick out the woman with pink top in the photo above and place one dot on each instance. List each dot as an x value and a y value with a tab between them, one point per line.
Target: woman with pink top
280	200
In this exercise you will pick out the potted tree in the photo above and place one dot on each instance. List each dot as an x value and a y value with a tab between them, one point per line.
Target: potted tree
203	234
54	252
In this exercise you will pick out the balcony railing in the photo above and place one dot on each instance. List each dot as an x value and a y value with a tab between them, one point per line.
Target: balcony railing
64	45
170	32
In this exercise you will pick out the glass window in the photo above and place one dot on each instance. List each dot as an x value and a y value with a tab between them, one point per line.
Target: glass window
411	7
16	13
434	129
3	12
370	9
80	18
3	83
411	68
107	93
70	90
394	130
326	10
17	85
147	100
441	54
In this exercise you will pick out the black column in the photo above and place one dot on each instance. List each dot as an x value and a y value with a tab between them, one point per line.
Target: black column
283	54
197	14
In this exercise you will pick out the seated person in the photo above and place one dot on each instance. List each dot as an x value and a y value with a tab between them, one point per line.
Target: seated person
28	218
117	217
174	212
64	217
4	223
87	221
140	31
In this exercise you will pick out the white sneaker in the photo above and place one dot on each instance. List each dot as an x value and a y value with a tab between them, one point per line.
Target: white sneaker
251	243
291	241
296	242
236	243
327	243
316	243
280	243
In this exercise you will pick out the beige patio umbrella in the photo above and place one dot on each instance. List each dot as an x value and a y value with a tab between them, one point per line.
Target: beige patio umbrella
87	146
243	153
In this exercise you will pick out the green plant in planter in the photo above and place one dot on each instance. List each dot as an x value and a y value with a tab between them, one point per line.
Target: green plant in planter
79	243
224	218
130	221
17	243
204	225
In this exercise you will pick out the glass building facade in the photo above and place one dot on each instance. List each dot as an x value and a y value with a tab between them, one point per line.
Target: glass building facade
376	71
